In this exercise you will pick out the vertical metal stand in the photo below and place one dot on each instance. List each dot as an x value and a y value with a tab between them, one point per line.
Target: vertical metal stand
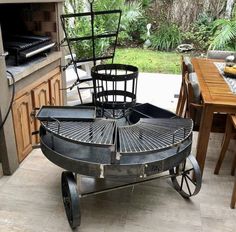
69	39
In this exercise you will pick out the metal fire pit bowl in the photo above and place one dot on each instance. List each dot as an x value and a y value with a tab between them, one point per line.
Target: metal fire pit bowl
112	155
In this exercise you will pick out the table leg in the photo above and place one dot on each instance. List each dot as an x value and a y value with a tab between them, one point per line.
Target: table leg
233	198
203	135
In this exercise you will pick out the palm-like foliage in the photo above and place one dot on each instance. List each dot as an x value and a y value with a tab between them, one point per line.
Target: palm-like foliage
224	34
131	13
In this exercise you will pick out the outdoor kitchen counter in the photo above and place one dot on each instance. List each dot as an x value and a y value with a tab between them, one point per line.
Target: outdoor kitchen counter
26	69
37	83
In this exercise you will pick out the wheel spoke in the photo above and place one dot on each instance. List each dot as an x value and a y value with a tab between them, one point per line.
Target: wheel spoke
186	185
182	181
190	194
184	165
189	170
193	182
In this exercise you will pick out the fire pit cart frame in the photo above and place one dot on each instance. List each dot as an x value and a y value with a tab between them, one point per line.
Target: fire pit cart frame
99	167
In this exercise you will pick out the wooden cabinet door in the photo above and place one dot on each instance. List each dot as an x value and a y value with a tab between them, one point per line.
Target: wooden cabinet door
55	90
21	109
41	97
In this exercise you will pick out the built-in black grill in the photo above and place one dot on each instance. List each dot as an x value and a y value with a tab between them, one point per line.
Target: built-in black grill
23	47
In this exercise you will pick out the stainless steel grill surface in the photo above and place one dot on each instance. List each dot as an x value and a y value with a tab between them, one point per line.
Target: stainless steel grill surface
96	132
153	134
145	136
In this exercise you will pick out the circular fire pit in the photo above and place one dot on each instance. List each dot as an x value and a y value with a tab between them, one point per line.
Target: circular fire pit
117	153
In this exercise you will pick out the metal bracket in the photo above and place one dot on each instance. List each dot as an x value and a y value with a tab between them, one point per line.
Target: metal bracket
34	112
4	54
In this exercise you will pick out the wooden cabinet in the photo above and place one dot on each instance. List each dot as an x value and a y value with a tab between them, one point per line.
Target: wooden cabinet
23	124
47	91
40	95
55	90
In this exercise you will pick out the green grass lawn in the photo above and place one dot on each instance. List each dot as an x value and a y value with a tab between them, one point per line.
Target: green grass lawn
149	61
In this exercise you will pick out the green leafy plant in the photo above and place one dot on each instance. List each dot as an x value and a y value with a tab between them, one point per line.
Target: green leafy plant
131	17
224	34
167	37
131	12
200	33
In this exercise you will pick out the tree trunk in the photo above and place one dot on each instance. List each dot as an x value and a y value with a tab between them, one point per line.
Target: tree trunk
185	12
229	8
206	5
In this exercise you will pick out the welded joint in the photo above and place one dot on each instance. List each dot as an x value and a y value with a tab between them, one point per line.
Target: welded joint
118	155
101	171
143	174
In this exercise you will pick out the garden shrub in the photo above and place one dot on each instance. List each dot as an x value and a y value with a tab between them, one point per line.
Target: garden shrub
166	37
200	33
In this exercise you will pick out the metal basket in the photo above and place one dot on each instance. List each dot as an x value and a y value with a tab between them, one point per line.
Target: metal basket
115	87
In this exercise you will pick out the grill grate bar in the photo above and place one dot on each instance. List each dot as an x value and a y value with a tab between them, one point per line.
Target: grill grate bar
150	135
135	135
97	132
140	139
160	137
92	133
145	136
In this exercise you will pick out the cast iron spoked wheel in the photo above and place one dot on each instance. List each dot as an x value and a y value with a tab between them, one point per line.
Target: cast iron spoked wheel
70	198
186	177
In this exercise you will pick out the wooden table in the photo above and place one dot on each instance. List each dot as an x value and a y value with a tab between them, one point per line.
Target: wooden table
217	97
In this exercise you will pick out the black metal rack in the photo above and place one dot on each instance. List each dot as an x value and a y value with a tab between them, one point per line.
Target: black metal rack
73	39
115	89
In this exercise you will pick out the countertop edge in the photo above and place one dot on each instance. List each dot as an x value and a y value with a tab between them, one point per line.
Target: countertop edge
32	67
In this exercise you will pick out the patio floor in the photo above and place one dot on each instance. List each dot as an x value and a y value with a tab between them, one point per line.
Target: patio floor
30	199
